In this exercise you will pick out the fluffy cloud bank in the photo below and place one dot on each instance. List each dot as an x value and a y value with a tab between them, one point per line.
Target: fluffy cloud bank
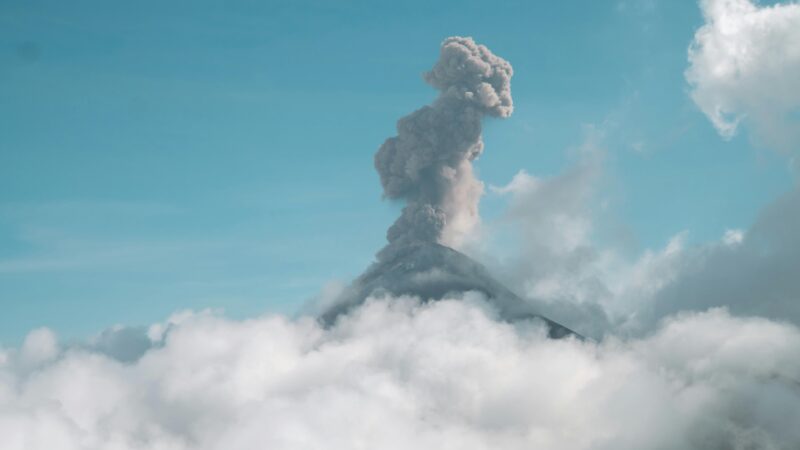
397	374
745	68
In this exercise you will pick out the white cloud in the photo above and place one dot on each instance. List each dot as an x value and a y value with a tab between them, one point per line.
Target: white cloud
744	68
554	259
40	345
733	237
557	263
397	374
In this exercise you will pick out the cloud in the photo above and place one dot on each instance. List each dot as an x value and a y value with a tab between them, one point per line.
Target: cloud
399	374
753	273
40	346
744	68
733	237
558	265
554	258
549	256
122	343
550	249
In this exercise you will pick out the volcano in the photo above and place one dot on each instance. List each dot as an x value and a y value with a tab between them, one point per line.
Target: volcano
431	271
428	166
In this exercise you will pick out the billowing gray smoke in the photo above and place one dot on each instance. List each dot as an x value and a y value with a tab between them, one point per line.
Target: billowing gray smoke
428	163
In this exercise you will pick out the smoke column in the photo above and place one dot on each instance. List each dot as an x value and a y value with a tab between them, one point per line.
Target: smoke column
429	163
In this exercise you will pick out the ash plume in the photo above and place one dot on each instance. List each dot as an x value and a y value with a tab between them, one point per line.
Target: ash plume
429	163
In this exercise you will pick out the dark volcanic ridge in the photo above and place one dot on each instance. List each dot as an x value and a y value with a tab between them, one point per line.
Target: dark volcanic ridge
431	272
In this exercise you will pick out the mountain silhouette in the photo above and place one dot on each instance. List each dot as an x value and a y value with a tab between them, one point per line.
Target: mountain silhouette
431	272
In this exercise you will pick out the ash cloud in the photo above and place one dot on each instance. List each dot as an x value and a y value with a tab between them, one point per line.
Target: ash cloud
429	163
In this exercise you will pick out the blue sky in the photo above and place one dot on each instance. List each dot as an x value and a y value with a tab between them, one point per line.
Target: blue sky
160	157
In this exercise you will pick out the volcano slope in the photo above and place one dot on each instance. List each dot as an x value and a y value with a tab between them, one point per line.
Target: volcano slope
431	271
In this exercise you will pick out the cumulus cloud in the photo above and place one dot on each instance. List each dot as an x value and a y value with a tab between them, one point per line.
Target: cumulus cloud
40	346
744	68
396	373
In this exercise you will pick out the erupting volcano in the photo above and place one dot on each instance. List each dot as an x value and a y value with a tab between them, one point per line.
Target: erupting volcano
429	166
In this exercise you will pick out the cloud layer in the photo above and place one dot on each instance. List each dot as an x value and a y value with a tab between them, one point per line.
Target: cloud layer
397	374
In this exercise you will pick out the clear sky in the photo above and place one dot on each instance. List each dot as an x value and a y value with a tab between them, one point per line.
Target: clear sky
156	156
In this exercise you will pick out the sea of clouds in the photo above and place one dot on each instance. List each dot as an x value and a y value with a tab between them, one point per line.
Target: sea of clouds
399	374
